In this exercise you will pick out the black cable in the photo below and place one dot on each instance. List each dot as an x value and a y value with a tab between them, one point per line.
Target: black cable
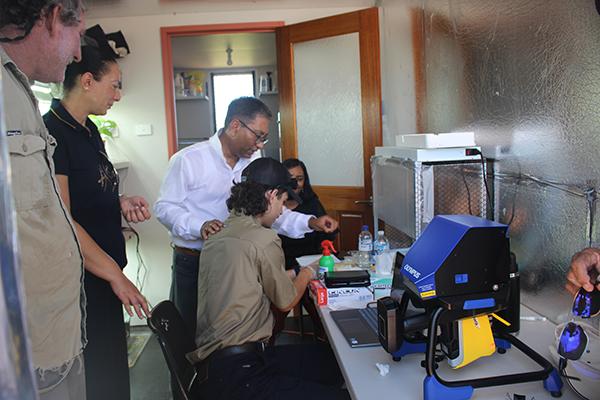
591	196
562	366
462	172
142	269
487	189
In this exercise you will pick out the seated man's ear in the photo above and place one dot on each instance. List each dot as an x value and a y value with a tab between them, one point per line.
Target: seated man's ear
271	195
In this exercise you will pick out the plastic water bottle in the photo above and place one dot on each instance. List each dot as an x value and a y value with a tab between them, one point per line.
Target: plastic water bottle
365	247
381	245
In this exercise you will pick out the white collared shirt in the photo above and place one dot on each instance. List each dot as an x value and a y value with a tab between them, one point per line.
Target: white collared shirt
195	190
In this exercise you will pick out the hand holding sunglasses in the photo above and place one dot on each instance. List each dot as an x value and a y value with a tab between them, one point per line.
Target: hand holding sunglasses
573	341
584	270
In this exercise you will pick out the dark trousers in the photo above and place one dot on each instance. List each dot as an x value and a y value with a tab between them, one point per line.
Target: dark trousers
105	356
184	287
184	292
306	371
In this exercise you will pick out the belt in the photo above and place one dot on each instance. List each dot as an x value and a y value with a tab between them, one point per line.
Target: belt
252	347
186	251
202	366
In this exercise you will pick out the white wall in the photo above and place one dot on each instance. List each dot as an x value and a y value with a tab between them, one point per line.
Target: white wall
397	68
143	102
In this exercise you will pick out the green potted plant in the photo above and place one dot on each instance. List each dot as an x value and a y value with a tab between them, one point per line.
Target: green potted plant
105	126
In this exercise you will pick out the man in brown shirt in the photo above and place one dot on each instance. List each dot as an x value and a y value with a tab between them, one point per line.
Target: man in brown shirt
241	274
37	41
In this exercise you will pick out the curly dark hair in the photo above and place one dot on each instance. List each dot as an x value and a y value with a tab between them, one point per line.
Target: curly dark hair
23	14
248	198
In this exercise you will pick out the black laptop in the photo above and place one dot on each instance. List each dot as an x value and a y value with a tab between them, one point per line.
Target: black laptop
359	326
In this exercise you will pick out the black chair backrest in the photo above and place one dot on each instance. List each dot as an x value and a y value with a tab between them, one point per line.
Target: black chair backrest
175	342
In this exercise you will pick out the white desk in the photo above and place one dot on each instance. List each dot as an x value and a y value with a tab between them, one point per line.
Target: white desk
405	380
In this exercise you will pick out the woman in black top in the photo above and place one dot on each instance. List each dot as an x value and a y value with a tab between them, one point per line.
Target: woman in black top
311	242
89	187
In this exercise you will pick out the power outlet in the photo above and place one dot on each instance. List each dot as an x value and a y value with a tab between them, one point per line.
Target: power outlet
143	129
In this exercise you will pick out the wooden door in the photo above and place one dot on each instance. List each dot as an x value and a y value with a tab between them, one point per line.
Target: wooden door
335	125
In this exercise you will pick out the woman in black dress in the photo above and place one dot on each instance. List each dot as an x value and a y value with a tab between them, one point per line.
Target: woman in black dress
89	186
311	242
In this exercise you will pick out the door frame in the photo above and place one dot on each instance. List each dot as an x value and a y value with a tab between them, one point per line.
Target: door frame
349	204
370	72
169	32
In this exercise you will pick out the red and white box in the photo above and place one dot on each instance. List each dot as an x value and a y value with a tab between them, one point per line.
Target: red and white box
331	296
318	292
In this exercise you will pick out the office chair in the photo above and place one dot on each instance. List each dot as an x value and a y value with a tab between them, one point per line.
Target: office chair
175	342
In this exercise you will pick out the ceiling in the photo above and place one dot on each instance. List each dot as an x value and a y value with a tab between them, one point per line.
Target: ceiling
208	51
126	8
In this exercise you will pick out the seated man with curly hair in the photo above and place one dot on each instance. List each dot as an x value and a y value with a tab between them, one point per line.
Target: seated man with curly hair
241	273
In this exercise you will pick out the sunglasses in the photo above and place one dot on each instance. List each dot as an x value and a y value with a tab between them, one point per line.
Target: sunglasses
586	304
573	342
573	339
292	184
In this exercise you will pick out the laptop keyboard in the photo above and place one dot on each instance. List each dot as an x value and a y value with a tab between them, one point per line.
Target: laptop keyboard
369	314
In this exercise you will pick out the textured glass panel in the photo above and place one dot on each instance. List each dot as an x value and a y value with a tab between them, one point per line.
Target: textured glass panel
328	109
524	76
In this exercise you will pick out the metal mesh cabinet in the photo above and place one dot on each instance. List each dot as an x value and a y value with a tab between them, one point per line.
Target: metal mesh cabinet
408	193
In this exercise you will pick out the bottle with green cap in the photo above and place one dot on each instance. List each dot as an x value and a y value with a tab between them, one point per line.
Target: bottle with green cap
326	262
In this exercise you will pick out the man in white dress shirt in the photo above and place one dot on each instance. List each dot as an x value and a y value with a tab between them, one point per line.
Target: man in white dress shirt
192	201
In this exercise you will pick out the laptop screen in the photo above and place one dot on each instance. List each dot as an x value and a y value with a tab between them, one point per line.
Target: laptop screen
397	288
397	279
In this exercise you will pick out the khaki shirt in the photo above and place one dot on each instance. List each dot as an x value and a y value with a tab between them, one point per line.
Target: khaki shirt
241	274
51	261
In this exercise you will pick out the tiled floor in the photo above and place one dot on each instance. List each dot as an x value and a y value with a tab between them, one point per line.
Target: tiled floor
149	376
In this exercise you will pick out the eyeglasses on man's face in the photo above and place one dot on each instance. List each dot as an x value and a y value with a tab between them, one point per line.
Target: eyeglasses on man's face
260	136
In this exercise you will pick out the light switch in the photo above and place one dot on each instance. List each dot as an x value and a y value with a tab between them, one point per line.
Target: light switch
143	129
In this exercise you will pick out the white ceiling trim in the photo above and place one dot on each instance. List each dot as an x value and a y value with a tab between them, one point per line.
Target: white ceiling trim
128	8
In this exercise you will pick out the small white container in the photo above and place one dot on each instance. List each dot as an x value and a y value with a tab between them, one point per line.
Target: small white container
263	84
436	140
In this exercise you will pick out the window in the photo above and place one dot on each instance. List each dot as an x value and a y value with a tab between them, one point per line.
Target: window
228	87
42	92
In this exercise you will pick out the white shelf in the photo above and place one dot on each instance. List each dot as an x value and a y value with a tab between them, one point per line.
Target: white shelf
191	98
267	93
120	164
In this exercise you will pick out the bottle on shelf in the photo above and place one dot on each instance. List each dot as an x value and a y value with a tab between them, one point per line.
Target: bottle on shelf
365	247
179	84
269	82
263	85
381	245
